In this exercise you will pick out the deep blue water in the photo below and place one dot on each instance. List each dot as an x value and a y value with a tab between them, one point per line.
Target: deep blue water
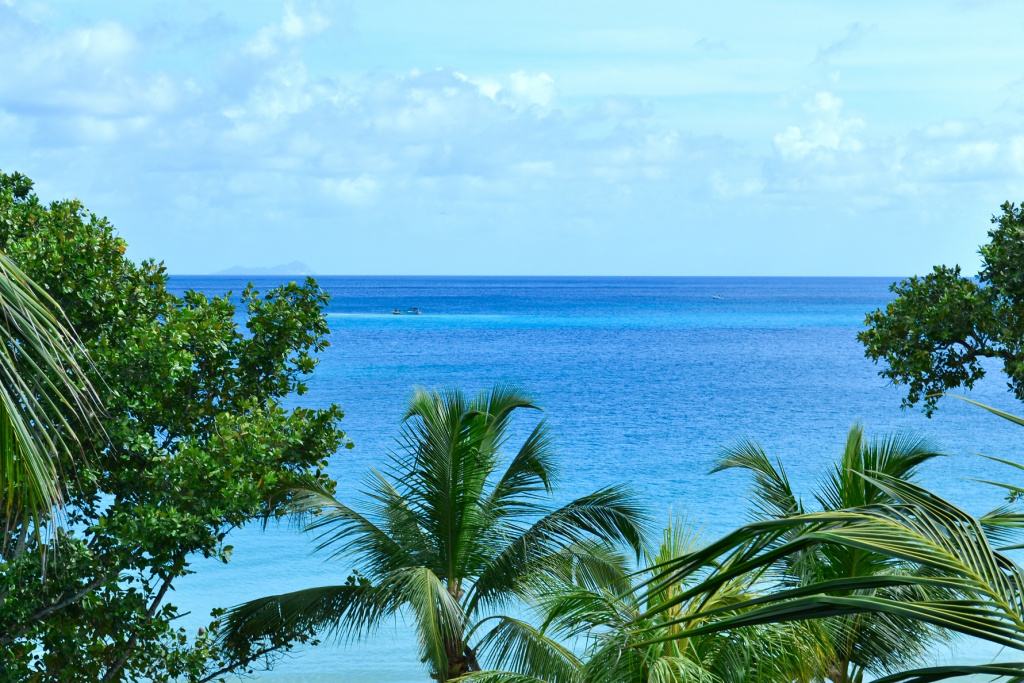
642	379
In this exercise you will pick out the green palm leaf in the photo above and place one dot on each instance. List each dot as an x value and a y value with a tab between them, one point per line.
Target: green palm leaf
983	587
452	533
518	646
46	397
839	564
939	673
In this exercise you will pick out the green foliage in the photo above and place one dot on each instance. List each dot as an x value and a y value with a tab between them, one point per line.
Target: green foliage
950	578
877	643
451	534
933	336
45	397
614	617
196	442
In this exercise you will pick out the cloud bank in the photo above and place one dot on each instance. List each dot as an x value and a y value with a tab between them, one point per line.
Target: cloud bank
211	142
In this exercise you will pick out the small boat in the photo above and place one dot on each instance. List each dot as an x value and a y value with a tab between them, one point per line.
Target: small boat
396	312
414	311
716	296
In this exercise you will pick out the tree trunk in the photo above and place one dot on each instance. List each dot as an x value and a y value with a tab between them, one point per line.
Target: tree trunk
457	664
461	660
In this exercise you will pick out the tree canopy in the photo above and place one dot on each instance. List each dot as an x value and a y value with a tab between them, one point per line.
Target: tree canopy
934	335
195	441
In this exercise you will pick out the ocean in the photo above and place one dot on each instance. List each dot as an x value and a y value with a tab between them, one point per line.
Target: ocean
643	380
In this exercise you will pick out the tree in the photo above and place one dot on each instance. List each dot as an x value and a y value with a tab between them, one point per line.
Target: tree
954	578
450	534
862	643
933	336
194	443
45	396
614	616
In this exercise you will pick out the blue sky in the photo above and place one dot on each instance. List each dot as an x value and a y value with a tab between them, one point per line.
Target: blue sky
644	138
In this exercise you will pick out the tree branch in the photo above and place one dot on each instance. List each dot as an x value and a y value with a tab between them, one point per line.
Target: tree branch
130	645
43	614
230	668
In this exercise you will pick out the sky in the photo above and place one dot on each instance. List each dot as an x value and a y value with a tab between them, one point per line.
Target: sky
666	137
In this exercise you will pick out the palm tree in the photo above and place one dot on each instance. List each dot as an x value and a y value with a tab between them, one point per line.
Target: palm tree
865	642
45	398
608	618
953	578
449	535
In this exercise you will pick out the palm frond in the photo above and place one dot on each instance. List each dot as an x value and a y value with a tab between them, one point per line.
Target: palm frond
611	660
348	611
529	474
498	404
353	610
611	514
995	411
679	670
444	531
498	676
444	475
772	494
897	455
46	396
592	564
514	645
985	587
439	616
345	532
1013	670
573	611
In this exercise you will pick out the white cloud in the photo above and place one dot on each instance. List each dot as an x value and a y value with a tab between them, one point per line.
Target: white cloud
92	70
301	137
829	132
102	43
532	90
293	27
488	87
833	153
356	191
519	89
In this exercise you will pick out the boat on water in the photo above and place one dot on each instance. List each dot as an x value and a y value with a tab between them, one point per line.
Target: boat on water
716	296
414	311
396	312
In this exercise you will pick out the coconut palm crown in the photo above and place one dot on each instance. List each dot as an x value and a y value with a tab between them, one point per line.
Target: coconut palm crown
885	567
450	534
873	642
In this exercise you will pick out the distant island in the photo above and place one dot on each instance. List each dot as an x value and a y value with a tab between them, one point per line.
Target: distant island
293	268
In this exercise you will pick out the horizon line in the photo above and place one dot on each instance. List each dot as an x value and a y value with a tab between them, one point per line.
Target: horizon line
428	275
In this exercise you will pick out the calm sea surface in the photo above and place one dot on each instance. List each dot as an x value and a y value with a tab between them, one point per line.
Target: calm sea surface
642	379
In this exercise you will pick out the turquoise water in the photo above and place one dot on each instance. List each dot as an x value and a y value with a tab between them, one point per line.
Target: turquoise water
642	379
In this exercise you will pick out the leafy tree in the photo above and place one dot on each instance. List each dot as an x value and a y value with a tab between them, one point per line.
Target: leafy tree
629	637
450	534
195	441
934	335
